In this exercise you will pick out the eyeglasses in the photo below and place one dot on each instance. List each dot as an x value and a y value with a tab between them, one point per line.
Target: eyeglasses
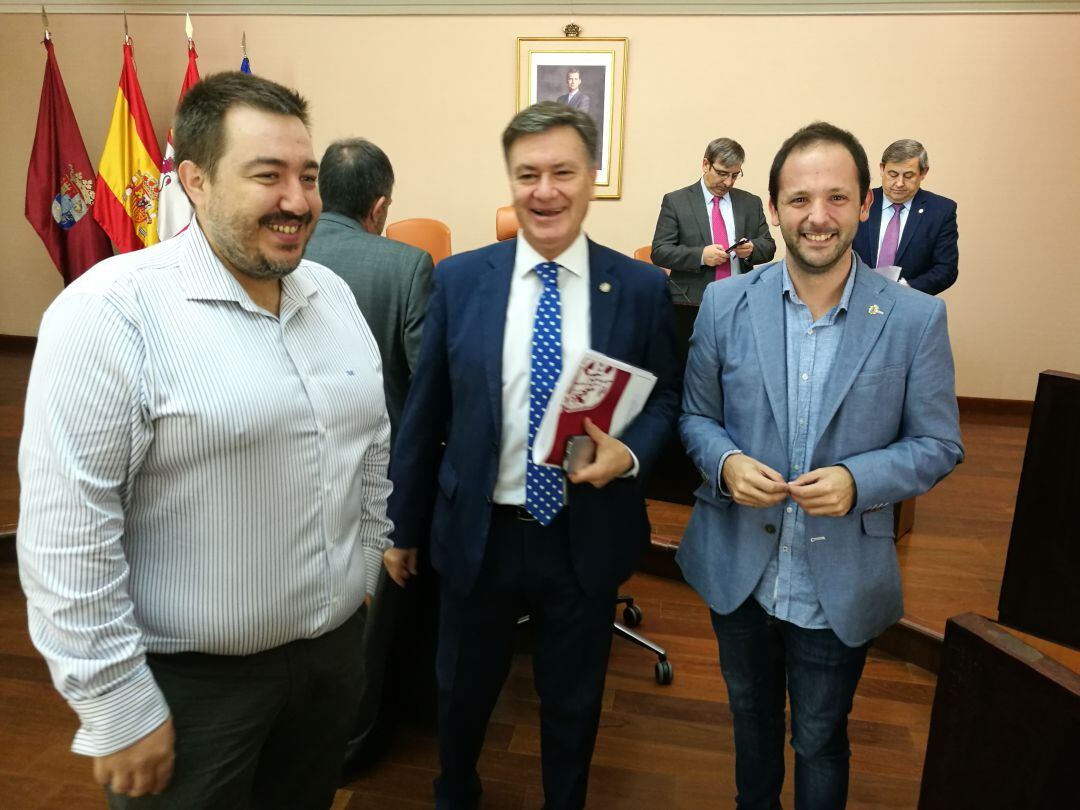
732	176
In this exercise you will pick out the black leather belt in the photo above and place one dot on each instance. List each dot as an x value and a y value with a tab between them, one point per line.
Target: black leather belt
513	511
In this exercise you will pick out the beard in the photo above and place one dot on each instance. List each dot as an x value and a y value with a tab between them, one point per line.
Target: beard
234	241
818	264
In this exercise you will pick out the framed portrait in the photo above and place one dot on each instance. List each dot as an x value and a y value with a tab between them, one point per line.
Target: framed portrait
589	74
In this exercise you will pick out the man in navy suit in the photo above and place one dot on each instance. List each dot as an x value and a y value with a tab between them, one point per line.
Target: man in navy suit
507	537
817	394
922	239
574	97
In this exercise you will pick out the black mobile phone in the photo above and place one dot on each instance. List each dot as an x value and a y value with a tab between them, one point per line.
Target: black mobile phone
742	241
580	451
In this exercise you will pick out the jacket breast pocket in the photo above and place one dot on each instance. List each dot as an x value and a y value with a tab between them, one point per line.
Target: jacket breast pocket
878	377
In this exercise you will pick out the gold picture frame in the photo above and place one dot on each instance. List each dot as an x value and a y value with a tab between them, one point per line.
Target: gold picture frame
543	64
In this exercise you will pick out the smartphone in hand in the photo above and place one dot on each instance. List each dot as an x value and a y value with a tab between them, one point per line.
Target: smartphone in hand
580	452
731	248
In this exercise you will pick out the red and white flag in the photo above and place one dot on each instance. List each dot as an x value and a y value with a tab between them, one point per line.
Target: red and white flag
60	182
174	208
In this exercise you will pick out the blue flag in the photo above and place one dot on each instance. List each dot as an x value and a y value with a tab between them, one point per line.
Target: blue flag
245	66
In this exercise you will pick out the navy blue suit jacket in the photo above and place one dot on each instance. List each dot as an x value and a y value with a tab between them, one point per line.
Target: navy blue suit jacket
456	398
927	252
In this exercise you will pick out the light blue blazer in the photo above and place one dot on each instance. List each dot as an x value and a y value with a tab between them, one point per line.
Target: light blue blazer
889	416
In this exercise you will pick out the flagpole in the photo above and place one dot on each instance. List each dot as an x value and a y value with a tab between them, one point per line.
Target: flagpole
45	23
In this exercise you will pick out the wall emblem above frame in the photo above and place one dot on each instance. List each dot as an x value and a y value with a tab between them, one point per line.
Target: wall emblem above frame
587	73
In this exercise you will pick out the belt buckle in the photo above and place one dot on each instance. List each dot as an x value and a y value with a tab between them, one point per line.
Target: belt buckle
522	514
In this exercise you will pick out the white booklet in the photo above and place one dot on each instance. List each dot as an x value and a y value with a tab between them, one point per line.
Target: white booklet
608	391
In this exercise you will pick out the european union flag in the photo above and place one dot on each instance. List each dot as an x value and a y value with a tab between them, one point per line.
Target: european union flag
245	66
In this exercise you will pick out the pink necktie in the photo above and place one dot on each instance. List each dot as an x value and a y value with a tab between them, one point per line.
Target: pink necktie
891	241
720	237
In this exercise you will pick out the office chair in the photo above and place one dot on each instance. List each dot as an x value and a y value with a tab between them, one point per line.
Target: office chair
427	234
506	223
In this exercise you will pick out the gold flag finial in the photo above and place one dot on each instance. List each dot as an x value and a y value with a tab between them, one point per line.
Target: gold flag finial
243	44
127	36
45	23
188	28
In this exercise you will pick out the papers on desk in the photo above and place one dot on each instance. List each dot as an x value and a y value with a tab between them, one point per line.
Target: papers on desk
611	393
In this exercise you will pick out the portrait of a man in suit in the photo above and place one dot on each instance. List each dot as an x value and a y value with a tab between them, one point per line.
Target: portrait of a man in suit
574	97
908	226
582	87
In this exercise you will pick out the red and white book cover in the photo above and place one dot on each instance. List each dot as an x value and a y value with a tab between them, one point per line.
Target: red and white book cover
611	393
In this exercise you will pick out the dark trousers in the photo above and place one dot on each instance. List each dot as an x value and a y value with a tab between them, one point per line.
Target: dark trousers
758	654
259	731
526	569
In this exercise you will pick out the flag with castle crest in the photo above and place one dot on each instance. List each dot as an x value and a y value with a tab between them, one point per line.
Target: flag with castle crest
174	208
60	182
127	183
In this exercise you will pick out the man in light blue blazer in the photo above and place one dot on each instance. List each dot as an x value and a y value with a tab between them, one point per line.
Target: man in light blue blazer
817	393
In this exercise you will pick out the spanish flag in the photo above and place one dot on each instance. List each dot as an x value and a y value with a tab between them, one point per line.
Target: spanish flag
127	182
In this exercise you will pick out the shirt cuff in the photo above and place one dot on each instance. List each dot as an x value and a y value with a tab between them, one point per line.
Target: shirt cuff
373	563
120	718
720	469
634	468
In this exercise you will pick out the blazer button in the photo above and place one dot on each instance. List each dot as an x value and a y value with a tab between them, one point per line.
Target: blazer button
770	529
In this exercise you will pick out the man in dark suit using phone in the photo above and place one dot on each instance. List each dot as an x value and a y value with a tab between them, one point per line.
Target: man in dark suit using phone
710	229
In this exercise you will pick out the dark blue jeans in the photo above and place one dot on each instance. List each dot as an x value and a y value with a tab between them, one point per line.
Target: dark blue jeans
761	658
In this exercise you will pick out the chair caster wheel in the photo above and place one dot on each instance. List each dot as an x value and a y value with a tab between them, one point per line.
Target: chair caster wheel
665	674
632	616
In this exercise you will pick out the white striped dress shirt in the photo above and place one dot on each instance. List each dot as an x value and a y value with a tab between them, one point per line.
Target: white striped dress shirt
197	474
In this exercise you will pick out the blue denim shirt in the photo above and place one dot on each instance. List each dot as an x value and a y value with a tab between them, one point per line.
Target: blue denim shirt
786	589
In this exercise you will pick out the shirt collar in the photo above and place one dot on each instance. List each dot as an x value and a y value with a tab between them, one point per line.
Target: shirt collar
787	288
886	203
709	195
574	259
207	279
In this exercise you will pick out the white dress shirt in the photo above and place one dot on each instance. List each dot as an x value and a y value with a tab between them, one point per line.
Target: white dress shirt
525	289
197	474
727	213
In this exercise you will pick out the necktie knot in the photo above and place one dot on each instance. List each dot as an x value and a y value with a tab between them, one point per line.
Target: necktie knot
897	208
548	273
716	202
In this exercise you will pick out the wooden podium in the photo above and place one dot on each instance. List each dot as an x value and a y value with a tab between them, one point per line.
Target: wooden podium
1005	727
1040	590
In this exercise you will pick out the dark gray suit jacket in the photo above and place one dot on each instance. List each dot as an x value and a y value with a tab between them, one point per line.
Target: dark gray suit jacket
683	231
579	102
392	283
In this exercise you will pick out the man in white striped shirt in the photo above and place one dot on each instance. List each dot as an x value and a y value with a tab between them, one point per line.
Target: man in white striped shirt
204	482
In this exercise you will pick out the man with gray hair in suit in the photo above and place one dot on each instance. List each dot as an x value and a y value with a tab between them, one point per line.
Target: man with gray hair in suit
710	229
391	280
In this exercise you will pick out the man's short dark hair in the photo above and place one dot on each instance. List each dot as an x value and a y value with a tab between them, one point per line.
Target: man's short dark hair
548	115
199	129
729	152
815	133
572	71
904	150
353	175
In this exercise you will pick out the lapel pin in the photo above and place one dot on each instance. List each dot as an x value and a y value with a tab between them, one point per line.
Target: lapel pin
605	286
920	210
875	310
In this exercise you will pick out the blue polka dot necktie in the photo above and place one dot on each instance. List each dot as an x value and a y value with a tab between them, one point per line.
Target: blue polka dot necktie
544	485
